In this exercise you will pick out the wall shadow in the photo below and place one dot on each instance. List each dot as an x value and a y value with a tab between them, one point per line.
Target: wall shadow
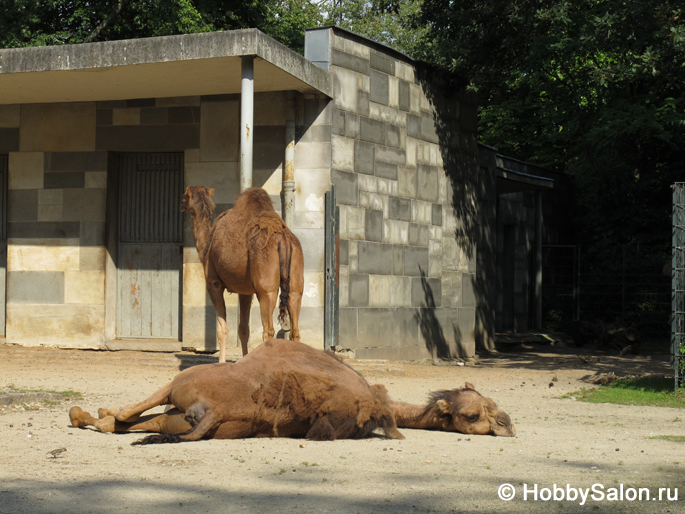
431	327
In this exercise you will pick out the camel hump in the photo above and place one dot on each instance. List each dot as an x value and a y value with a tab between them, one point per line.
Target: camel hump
254	200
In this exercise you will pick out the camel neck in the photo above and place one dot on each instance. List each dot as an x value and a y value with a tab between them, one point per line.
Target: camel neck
417	416
202	227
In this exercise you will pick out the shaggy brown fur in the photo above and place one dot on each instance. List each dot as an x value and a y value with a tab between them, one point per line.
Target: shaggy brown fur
459	410
281	389
248	250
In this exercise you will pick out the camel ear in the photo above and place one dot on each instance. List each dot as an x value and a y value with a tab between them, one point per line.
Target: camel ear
188	191
469	385
444	406
210	191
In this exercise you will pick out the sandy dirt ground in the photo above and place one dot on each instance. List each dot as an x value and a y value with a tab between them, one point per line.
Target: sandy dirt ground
560	443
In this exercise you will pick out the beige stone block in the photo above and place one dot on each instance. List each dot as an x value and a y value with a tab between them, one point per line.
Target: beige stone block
96	179
313	294
389	115
374	111
59	127
310	189
415	99
367	183
43	255
344	89
344	285
342	149
84	287
220	131
50	197
192	155
406	178
223	177
26	170
273	184
379	290
425	103
400	291
372	201
190	255
312	155
393	91
50	212
385	186
435	233
178	101
66	325
352	221
92	258
194	285
126	116
270	109
10	116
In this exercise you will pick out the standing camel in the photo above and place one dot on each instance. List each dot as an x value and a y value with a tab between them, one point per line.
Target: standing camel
248	250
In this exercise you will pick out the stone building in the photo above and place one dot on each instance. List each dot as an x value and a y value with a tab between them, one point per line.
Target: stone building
98	142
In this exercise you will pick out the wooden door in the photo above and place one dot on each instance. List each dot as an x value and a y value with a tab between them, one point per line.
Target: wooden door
150	246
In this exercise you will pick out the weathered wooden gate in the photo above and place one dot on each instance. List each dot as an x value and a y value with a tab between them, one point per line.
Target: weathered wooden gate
150	246
3	240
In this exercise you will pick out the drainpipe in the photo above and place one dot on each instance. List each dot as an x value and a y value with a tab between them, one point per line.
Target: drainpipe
538	259
246	122
289	168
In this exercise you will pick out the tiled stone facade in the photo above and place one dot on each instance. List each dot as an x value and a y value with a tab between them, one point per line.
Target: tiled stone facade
406	282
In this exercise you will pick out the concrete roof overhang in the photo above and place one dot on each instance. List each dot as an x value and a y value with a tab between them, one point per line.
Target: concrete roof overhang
159	67
510	181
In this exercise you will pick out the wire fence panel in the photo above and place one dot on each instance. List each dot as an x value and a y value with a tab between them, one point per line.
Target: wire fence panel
678	285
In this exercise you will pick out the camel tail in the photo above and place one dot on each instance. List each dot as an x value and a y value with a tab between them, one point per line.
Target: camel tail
285	253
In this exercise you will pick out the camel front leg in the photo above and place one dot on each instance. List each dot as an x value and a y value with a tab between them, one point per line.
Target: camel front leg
294	303
245	301
216	293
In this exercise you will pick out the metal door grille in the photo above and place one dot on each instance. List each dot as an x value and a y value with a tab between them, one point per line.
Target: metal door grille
678	285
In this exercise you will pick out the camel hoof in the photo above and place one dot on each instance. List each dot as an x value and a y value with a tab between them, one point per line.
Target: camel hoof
103	413
76	416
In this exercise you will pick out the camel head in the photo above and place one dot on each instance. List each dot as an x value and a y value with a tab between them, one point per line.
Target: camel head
466	411
197	201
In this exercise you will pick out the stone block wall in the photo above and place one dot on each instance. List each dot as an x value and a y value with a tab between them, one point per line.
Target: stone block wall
406	279
58	291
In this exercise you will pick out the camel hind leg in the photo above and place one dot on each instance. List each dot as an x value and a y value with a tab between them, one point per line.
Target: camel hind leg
171	422
216	294
132	412
267	303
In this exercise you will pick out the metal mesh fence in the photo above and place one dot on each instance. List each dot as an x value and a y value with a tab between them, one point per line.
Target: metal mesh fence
678	285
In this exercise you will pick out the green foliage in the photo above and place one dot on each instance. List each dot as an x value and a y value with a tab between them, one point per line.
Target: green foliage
672	438
638	391
593	88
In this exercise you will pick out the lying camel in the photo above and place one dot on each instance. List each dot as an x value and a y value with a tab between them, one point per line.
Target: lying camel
288	389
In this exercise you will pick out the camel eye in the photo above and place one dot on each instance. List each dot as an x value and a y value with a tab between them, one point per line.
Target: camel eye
473	418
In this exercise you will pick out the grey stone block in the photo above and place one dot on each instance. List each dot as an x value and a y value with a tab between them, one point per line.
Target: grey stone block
466	321
184	114
424	235
373	225
344	252
111	104
152	116
352	125
364	156
103	116
9	140
428	132
359	291
313	241
404	96
363	103
375	258
141	102
385	170
43	230
426	293
391	155
348	328
413	126
413	234
382	63
92	233
346	188
349	61
415	261
148	137
428	185
64	179
220	98
436	215
81	205
467	288
373	131
399	209
379	91
312	134
76	161
338	125
393	136
269	147
35	287
398	260
23	205
377	327
317	110
406	178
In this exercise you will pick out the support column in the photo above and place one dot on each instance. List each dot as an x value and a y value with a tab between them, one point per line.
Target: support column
538	259
246	122
289	167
